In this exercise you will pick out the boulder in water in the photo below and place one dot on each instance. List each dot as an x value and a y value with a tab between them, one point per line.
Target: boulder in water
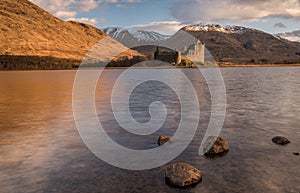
280	140
215	145
162	140
182	175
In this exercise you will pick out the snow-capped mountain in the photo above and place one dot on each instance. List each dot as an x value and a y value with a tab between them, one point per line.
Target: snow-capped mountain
229	29
292	36
244	45
134	34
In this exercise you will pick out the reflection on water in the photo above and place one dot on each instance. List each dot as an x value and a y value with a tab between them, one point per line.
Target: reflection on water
40	149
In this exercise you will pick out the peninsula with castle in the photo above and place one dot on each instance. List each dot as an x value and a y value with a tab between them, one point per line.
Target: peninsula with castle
189	57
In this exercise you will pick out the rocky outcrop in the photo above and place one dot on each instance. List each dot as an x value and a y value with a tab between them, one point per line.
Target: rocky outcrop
162	140
182	175
280	140
215	146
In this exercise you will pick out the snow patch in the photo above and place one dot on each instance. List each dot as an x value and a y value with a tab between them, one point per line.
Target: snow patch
229	29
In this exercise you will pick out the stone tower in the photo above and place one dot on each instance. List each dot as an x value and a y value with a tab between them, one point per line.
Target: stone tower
197	52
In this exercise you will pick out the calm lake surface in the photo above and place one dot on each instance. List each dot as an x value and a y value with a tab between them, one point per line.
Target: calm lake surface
41	150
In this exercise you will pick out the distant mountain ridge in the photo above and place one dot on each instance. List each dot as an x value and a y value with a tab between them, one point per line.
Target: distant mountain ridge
134	34
228	29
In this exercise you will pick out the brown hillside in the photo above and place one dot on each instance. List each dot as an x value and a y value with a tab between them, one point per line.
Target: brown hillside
27	30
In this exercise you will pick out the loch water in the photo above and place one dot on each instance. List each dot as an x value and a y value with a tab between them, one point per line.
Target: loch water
41	149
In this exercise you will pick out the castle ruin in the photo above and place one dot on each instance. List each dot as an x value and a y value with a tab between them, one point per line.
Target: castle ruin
195	53
171	57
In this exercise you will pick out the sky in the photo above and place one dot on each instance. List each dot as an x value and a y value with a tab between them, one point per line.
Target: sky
168	16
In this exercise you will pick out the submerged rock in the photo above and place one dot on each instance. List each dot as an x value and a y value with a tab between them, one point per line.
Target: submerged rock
182	175
280	140
215	146
163	139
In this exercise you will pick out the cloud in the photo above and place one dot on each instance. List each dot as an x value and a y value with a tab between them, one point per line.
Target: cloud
280	25
63	8
86	5
165	27
123	6
131	1
234	10
66	14
92	21
292	36
54	5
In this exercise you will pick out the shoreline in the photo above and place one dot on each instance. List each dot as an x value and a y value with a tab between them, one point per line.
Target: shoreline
221	65
225	65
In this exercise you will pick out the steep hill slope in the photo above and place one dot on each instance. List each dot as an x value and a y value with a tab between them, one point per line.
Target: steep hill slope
30	36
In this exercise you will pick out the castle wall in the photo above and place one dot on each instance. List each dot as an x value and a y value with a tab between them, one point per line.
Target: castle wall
172	57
